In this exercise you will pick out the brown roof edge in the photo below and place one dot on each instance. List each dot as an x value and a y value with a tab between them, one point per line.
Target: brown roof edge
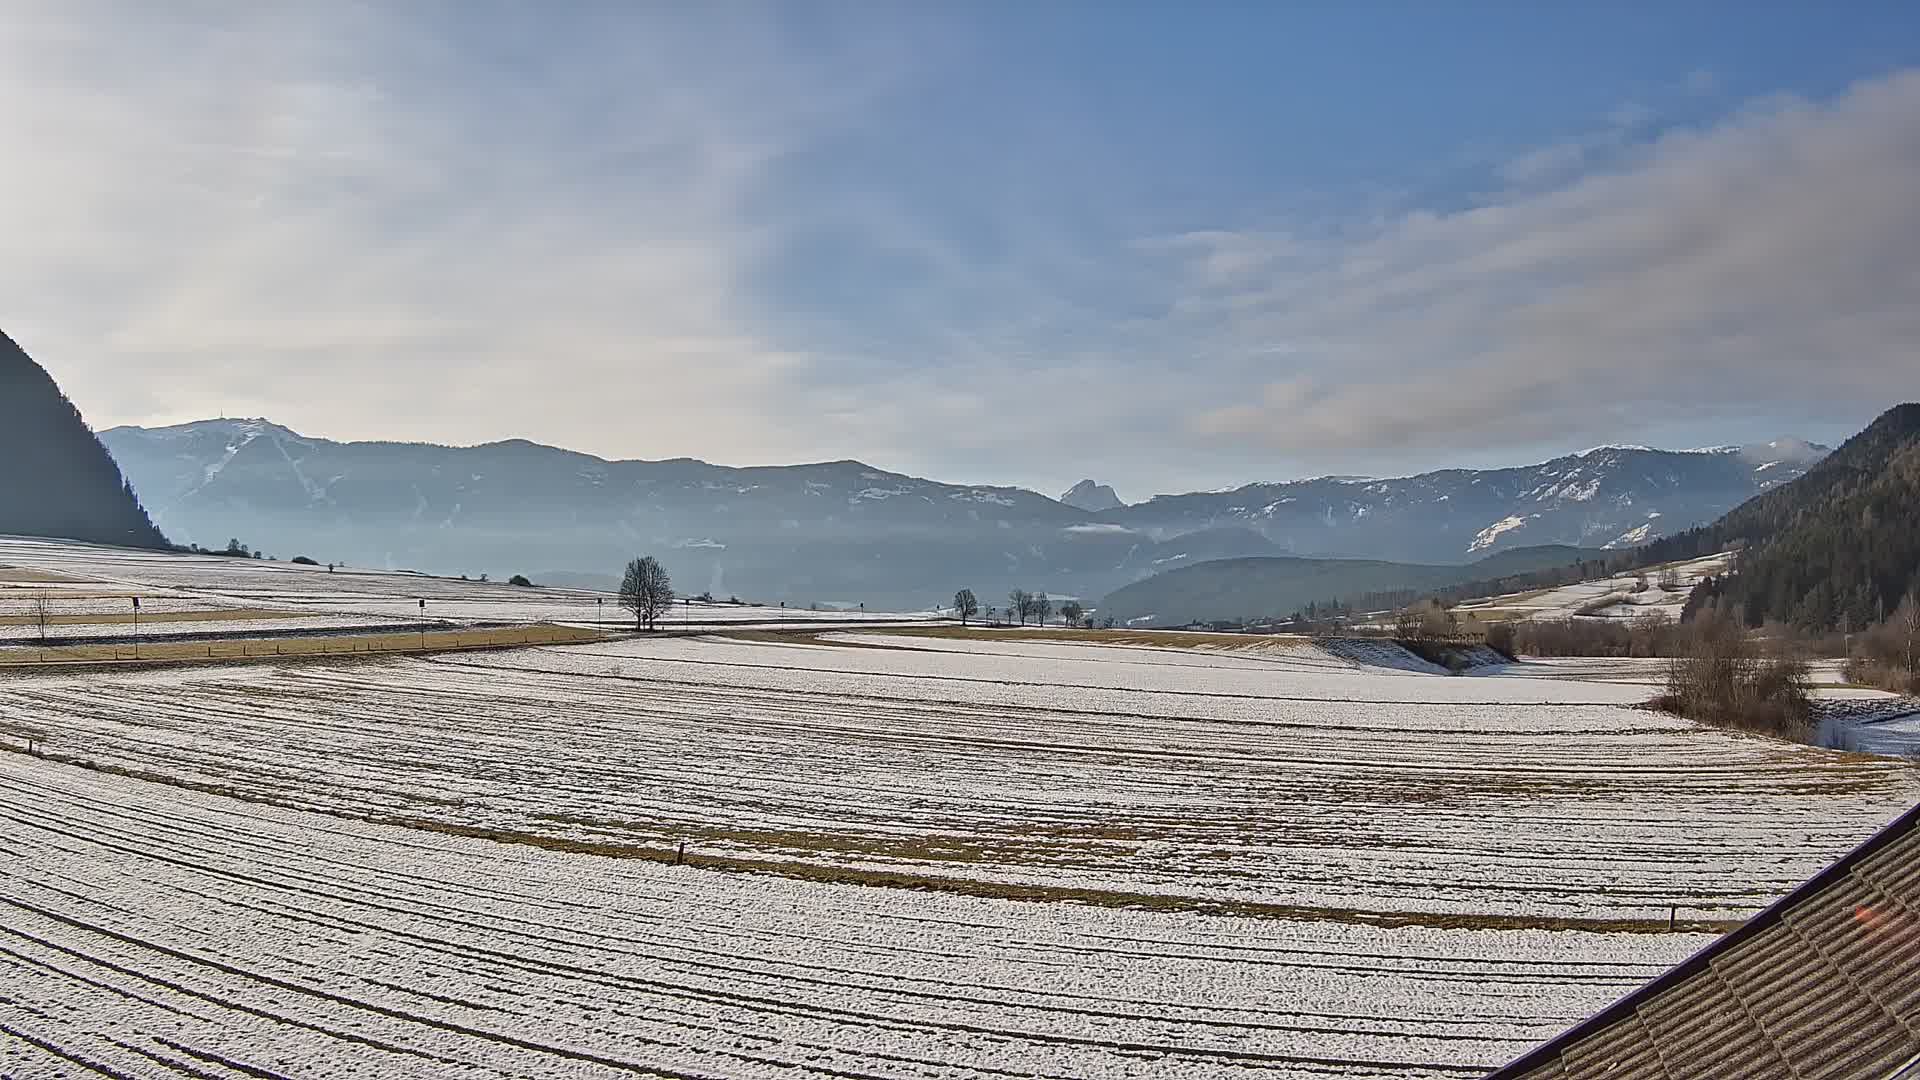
1619	1010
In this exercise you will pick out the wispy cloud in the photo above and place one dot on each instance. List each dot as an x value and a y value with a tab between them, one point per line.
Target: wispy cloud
372	223
1772	258
723	233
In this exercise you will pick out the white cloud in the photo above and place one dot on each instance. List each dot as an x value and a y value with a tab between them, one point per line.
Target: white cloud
1771	260
412	222
366	224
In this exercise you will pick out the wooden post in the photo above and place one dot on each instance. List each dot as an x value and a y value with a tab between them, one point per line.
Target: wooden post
680	854
1673	915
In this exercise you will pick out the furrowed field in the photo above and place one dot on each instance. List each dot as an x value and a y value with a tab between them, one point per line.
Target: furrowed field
889	853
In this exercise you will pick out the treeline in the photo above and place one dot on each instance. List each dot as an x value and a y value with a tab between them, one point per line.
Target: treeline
1650	635
1038	606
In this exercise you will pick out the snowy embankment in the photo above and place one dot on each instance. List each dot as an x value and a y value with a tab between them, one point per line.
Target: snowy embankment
1871	723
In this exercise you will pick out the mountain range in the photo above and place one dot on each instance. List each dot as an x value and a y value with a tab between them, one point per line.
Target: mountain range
55	477
845	532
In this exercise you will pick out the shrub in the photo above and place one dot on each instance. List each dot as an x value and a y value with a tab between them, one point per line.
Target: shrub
1501	639
1867	671
1719	676
520	580
1888	655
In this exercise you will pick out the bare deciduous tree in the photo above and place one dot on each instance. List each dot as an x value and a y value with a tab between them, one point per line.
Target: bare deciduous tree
646	591
1428	620
42	614
1907	621
965	605
1042	607
1020	605
1072	612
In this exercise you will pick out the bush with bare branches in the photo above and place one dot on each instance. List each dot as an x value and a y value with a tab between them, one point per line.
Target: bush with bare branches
1720	675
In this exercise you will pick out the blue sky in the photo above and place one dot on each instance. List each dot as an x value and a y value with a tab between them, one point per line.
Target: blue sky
1166	246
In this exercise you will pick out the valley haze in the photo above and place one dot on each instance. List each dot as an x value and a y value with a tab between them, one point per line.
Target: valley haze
848	533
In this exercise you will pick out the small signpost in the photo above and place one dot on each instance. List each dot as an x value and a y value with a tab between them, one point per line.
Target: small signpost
136	628
423	623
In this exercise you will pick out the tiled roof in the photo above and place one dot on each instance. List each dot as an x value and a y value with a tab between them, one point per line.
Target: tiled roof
1824	985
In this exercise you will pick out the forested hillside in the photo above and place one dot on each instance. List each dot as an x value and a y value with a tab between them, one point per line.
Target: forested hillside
55	477
1834	550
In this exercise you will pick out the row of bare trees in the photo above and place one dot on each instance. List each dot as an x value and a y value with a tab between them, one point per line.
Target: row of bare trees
1021	605
1649	635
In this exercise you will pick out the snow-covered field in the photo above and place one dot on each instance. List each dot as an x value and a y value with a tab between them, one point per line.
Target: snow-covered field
909	854
1192	777
89	580
150	931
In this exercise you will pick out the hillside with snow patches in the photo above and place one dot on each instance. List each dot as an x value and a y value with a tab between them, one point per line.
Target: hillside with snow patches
1606	497
847	533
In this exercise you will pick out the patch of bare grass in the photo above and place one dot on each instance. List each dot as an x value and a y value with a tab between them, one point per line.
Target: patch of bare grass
341	645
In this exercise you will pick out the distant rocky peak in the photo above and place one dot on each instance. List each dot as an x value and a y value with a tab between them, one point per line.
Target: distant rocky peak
1091	497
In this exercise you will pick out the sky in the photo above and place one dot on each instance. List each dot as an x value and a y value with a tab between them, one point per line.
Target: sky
1166	246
